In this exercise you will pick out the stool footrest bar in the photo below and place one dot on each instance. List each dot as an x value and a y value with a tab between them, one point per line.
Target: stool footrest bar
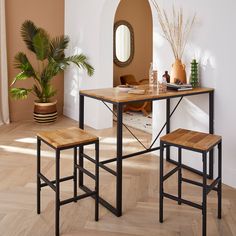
189	181
69	200
47	182
209	187
192	204
165	177
131	155
86	172
89	158
213	185
107	169
61	180
198	172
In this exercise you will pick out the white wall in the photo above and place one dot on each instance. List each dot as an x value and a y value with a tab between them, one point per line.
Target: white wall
90	25
213	43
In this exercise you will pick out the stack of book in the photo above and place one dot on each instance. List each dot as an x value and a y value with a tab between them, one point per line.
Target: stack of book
179	87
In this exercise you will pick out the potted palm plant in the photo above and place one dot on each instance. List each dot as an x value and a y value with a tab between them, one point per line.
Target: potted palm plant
51	61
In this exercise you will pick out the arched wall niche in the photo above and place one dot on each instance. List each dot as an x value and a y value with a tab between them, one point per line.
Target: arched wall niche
138	14
92	35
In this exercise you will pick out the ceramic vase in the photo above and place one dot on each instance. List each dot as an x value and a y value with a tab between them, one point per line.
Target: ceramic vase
178	72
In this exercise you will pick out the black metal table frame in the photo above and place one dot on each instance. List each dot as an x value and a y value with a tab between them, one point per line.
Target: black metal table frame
117	210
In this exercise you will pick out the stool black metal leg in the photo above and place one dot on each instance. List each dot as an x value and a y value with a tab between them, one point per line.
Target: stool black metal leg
204	196
97	181
38	179
219	192
57	230
179	175
75	173
161	184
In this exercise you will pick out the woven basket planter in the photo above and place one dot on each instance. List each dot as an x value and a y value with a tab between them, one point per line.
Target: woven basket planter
45	113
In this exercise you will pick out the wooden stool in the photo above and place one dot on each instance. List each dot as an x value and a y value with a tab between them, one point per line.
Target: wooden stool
60	140
198	142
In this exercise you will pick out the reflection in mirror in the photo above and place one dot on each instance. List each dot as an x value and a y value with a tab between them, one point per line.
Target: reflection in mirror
123	43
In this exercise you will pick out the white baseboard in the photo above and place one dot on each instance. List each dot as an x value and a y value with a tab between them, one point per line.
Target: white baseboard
229	177
71	114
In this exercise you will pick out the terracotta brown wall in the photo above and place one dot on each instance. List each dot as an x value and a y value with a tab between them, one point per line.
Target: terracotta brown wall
48	14
138	14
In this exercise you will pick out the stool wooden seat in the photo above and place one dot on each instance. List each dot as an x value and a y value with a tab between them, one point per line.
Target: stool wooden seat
64	138
70	138
197	142
192	140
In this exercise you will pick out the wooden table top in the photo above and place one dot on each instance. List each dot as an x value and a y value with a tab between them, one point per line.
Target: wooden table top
114	95
192	139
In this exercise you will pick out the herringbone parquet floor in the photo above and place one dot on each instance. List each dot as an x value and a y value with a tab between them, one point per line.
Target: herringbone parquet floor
140	192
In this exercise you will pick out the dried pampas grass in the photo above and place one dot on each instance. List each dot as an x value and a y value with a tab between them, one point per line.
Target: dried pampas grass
175	30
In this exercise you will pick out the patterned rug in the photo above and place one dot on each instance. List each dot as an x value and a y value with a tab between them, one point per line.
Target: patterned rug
138	121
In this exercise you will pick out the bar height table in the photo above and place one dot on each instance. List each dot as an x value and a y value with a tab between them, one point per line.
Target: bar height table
119	98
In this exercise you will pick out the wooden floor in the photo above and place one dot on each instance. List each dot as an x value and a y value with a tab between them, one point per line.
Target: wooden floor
140	192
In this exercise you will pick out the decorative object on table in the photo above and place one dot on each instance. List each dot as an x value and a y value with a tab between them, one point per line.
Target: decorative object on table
178	82
167	77
162	85
179	87
178	72
194	81
125	88
176	31
51	61
152	76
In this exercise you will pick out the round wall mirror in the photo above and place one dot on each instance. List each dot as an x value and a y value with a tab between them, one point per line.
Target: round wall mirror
123	43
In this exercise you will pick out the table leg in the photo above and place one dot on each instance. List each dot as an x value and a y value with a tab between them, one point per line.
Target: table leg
81	149
119	160
211	131
167	126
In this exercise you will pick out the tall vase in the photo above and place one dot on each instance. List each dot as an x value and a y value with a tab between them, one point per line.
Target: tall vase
178	72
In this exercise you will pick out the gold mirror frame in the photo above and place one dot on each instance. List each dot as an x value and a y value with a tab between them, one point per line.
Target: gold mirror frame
131	57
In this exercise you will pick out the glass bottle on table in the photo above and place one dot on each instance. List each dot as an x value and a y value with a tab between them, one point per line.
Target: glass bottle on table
167	77
152	76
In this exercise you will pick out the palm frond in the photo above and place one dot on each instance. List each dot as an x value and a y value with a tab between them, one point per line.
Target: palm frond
57	47
49	91
28	31
37	91
20	93
41	43
82	62
52	69
27	70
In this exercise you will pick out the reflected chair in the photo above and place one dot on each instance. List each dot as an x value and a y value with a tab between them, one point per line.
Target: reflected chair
144	107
